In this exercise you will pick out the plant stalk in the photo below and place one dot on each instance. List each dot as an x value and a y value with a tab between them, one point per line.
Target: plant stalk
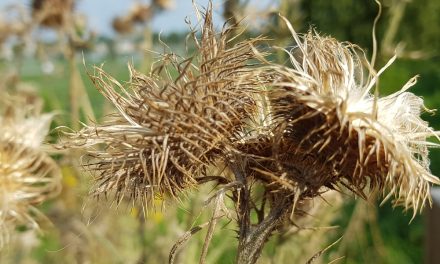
252	243
252	238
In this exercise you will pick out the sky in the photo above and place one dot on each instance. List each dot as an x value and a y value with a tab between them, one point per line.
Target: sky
100	13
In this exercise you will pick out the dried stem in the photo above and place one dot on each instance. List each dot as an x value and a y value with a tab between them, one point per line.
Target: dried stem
147	47
182	240
252	238
79	99
252	242
74	92
212	223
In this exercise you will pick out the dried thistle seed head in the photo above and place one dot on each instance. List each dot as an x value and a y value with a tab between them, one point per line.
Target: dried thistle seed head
14	22
52	13
140	13
328	129
163	4
122	25
28	176
173	124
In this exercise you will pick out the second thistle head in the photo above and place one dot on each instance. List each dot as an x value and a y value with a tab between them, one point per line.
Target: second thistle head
328	129
28	176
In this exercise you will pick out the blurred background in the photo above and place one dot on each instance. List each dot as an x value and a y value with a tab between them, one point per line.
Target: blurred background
42	48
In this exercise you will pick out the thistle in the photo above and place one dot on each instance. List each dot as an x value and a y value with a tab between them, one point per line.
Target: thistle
52	13
293	132
163	4
122	25
329	130
170	129
321	128
17	25
28	176
139	14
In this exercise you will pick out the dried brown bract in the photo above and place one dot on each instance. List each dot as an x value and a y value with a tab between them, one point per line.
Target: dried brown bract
28	176
174	123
